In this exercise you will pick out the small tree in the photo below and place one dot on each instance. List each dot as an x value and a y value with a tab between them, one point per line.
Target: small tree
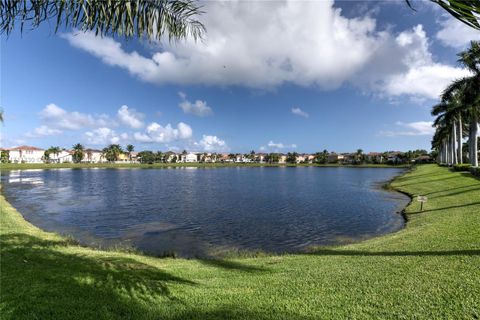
130	149
112	152
78	153
5	156
46	156
292	157
146	157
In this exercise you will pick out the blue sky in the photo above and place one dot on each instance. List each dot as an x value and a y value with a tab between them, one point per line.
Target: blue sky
269	76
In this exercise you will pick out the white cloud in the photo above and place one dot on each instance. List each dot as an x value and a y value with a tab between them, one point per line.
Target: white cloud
300	112
419	128
164	134
104	136
212	143
412	73
456	34
43	131
130	117
307	43
279	145
199	108
56	117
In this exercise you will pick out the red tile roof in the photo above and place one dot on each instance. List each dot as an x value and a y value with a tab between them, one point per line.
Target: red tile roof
27	148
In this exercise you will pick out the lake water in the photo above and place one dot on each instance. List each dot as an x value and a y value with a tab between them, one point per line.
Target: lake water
206	211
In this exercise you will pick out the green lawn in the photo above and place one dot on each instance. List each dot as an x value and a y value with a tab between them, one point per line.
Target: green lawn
429	270
19	166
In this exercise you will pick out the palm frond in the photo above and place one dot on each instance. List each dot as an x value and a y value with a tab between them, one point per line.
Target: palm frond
153	19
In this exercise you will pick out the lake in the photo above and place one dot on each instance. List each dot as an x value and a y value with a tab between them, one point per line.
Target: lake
208	211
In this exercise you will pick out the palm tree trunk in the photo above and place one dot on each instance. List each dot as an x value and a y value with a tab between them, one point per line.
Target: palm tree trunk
473	141
454	139
460	138
448	149
445	151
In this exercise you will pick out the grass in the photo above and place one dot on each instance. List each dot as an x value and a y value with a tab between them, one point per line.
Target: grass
20	166
429	270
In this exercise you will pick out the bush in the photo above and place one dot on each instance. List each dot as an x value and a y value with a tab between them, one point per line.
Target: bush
462	167
475	171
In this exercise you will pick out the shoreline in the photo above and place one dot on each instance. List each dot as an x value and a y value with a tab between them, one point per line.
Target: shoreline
29	166
236	253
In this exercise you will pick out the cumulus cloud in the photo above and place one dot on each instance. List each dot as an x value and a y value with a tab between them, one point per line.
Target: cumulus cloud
164	134
212	143
104	136
278	145
307	43
130	117
412	73
419	128
456	34
43	131
58	118
198	108
300	112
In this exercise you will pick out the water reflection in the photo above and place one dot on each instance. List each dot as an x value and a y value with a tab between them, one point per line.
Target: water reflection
195	212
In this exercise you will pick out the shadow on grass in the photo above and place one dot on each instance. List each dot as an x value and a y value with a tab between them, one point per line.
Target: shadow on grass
446	193
40	279
231	265
451	189
333	252
42	282
412	182
446	208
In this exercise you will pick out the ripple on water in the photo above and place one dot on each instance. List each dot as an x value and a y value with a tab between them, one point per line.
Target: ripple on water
202	211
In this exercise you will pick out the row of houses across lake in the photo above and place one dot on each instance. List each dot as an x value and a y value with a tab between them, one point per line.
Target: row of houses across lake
31	154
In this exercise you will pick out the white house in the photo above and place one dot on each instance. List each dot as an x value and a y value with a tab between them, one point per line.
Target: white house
26	154
191	157
61	157
95	156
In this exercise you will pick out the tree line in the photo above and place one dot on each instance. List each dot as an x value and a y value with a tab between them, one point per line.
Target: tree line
458	114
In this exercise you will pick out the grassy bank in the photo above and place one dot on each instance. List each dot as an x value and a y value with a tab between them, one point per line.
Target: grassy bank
429	270
20	166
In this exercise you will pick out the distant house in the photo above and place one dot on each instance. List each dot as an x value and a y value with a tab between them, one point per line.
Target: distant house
191	157
94	156
260	157
26	154
282	158
375	157
61	157
301	158
395	157
349	158
170	155
423	159
335	157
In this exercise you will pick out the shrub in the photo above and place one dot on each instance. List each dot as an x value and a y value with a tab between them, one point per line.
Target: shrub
462	167
475	171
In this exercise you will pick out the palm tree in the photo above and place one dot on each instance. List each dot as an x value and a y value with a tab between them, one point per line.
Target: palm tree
78	152
467	91
130	149
153	19
359	155
112	152
52	150
466	11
